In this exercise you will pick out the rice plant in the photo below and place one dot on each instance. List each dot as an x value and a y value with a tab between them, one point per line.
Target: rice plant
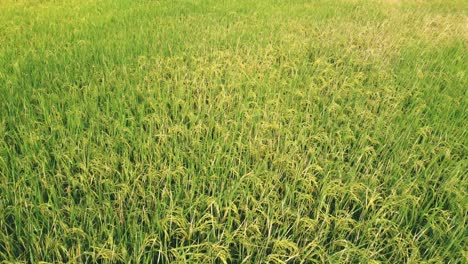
201	131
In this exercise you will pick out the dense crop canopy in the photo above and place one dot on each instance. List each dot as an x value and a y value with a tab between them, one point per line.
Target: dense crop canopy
233	131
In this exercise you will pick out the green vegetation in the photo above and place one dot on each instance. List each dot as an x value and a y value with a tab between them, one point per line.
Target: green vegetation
233	131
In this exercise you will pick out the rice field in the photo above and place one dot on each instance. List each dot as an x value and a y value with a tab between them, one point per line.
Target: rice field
202	131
